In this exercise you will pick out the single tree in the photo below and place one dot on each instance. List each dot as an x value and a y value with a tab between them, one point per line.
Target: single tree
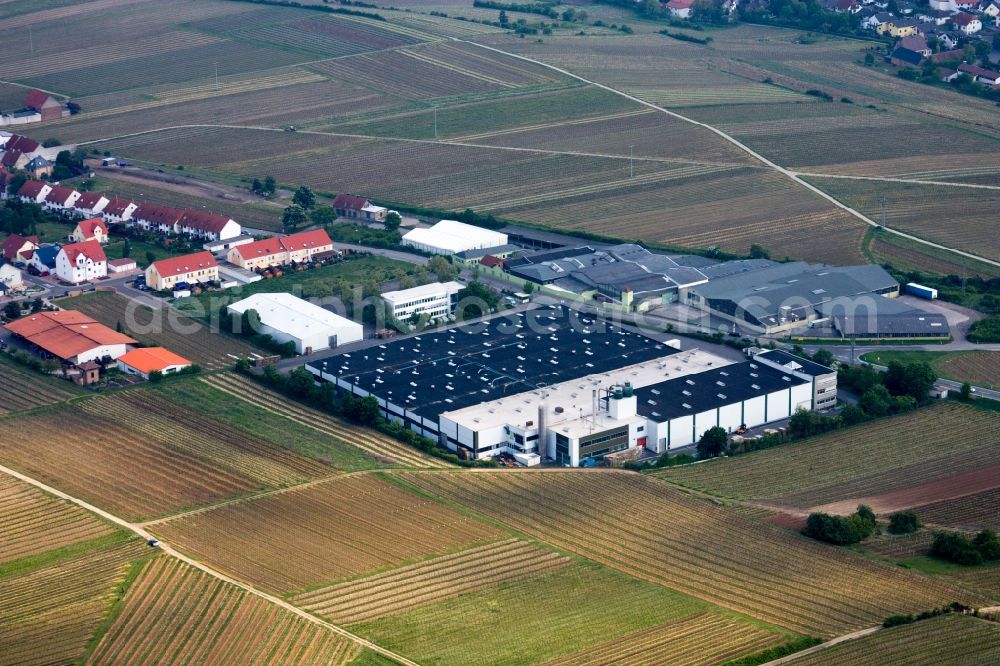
965	394
442	268
392	221
529	287
270	186
256	186
824	357
150	257
304	197
904	522
126	249
293	218
12	310
323	215
713	443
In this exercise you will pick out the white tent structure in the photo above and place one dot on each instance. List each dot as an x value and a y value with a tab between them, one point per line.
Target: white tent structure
451	237
287	318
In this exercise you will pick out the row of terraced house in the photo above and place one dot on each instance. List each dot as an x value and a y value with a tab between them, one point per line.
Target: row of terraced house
150	217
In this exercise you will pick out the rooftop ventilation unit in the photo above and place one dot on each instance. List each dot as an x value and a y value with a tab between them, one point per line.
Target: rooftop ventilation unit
685	405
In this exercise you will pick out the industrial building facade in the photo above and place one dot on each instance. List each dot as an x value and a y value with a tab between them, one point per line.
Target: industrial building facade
557	386
435	300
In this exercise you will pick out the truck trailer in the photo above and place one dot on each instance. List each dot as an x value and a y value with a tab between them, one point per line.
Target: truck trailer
920	291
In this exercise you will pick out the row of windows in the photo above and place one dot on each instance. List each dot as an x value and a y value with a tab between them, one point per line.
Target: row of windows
410	304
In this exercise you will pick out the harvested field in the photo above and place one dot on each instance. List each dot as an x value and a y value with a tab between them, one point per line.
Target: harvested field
974	511
429	582
27	389
140	456
34	522
49	613
863	460
377	445
174	614
167	328
688	545
679	643
341	528
568	603
949	640
919	209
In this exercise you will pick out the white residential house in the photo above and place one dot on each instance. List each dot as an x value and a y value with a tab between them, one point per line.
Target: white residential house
93	229
967	23
60	198
208	226
81	262
119	211
34	191
10	278
91	204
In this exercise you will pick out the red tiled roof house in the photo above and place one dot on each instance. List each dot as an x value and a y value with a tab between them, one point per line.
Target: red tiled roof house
93	229
81	262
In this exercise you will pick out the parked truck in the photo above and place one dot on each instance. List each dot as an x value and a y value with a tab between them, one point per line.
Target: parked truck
920	291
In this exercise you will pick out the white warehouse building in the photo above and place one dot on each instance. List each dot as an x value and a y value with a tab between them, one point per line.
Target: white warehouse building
287	318
435	300
451	237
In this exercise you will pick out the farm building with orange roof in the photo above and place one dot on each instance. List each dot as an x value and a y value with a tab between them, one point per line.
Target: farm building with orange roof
144	361
71	336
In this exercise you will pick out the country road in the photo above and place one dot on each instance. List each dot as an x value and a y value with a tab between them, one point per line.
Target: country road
139	530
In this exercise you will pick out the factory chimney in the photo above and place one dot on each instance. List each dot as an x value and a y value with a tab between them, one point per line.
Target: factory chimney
542	445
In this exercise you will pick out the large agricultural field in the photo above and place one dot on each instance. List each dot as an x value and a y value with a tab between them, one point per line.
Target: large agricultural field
493	126
943	451
689	545
337	529
141	456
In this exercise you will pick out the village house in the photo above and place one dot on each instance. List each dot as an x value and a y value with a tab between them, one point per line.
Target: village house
60	198
39	167
967	23
152	217
90	204
281	251
144	361
916	43
47	106
22	144
70	336
5	177
935	16
10	278
81	262
33	191
165	274
358	208
93	229
43	260
680	8
898	27
14	159
902	57
19	248
207	225
979	74
119	211
990	9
